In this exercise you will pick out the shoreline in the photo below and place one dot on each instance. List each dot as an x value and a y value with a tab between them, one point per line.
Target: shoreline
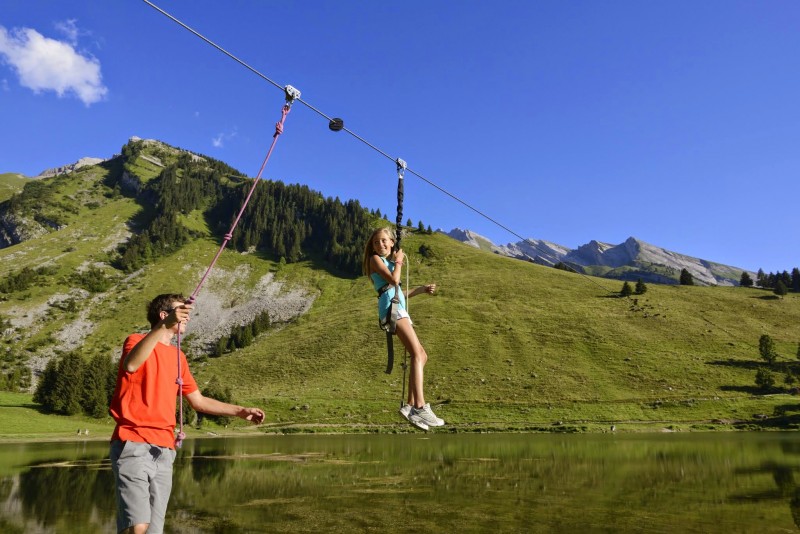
309	429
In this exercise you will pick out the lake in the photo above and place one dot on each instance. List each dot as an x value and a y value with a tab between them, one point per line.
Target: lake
672	482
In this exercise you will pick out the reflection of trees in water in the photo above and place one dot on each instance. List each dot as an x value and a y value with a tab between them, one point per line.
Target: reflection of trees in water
786	488
206	468
77	493
6	484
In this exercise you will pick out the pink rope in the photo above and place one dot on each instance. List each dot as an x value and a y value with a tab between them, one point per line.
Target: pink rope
278	131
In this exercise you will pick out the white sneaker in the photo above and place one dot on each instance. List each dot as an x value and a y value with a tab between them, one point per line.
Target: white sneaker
427	415
414	419
417	421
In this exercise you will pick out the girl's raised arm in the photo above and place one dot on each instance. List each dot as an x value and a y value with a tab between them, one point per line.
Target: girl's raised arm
377	266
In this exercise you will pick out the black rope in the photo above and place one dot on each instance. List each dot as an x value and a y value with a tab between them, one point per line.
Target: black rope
401	167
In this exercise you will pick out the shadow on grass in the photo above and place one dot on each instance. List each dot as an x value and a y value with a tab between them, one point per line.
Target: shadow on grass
739	364
30	406
780	421
749	390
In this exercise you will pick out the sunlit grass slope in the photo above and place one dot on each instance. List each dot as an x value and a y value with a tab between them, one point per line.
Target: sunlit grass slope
512	345
11	183
517	345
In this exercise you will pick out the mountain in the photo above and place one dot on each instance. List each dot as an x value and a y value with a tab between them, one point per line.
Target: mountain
72	167
512	345
631	260
10	184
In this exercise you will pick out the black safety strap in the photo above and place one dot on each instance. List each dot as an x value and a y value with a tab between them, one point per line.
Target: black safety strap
389	325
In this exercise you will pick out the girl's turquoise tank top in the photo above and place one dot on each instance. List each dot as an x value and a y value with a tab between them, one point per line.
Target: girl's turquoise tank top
385	299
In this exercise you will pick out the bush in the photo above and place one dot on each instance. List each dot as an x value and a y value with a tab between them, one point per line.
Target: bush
215	390
92	279
764	379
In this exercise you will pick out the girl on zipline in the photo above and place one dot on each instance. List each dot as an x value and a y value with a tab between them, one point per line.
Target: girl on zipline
383	265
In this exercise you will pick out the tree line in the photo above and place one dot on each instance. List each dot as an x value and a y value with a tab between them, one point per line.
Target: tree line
70	385
289	222
781	283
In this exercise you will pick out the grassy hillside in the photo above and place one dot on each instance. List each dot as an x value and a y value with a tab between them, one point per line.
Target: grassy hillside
512	345
517	345
11	183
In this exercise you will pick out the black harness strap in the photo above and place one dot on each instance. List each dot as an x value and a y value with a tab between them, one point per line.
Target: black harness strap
389	325
390	322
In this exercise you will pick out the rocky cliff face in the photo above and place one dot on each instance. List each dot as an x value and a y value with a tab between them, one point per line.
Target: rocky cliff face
15	228
72	167
472	239
630	260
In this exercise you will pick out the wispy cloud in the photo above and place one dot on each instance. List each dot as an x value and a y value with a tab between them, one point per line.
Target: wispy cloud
70	29
219	140
44	64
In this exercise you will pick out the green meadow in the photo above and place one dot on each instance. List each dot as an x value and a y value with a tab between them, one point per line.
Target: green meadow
513	346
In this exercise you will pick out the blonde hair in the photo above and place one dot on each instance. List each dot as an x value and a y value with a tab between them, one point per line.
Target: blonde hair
369	251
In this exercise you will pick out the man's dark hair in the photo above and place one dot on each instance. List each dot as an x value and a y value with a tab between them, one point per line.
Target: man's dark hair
164	302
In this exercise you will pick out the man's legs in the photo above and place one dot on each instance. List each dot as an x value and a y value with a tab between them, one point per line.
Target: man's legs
143	475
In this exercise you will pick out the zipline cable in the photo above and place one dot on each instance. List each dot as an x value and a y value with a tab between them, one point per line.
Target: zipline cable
340	126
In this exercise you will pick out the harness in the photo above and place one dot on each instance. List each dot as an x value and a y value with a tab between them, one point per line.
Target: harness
389	323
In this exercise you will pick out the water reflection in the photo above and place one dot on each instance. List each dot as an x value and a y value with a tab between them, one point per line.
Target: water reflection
436	483
782	471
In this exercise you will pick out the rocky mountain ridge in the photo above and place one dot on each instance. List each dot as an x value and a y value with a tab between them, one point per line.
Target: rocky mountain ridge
631	260
72	167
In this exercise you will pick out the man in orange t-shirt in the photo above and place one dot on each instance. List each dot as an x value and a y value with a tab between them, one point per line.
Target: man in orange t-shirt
143	443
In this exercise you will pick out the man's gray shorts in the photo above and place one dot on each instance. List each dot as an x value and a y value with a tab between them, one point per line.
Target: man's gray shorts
143	475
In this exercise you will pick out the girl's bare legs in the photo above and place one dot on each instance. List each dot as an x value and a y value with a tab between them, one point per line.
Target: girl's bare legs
408	337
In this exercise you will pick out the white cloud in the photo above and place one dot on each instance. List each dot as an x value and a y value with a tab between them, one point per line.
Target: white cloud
44	64
220	139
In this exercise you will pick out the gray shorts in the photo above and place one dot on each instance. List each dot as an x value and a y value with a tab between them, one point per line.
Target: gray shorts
143	475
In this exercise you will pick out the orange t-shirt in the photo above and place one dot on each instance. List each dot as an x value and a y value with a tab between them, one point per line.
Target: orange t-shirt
144	401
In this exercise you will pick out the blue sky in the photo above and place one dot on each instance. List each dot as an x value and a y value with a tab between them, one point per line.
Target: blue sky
674	122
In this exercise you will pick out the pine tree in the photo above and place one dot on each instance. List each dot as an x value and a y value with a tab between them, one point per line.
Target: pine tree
686	278
746	280
766	347
626	290
66	397
44	390
780	288
95	386
641	288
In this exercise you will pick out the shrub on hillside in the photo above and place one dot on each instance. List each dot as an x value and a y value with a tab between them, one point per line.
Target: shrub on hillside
765	379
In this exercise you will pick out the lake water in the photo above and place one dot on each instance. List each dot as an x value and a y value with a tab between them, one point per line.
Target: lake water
699	482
